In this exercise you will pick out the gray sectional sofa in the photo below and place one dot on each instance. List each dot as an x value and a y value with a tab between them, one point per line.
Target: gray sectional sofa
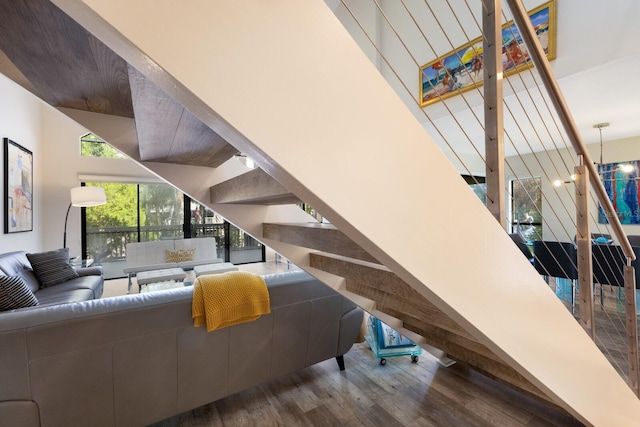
88	284
136	359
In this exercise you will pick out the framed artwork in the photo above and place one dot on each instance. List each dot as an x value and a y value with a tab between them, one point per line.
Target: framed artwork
18	188
461	69
621	182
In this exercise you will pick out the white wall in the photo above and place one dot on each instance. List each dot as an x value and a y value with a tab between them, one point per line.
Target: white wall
20	121
55	141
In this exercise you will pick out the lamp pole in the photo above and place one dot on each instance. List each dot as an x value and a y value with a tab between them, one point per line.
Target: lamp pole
64	241
83	197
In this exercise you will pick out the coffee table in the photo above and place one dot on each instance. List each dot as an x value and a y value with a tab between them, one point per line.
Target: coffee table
162	275
161	286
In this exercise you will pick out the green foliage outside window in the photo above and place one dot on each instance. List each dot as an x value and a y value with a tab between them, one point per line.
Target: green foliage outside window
121	209
161	204
92	146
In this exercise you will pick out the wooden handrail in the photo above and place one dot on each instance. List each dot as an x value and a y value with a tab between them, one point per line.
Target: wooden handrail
539	58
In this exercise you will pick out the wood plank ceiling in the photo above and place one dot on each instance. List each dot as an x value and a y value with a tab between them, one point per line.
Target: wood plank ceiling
68	67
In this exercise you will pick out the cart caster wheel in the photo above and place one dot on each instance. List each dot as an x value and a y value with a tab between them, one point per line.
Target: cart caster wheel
414	359
383	362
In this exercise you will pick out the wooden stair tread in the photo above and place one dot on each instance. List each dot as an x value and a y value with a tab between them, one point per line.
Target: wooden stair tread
254	187
318	236
415	313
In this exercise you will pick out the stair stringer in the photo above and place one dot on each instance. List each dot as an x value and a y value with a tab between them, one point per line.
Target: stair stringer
326	125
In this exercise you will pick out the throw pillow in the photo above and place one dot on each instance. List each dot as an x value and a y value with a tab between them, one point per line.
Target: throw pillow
15	293
181	255
52	267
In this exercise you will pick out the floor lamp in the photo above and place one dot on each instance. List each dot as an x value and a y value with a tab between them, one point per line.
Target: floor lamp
84	197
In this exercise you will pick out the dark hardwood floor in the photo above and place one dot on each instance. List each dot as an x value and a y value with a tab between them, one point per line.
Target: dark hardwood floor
400	393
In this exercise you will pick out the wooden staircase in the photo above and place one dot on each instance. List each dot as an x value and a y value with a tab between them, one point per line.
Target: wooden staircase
380	291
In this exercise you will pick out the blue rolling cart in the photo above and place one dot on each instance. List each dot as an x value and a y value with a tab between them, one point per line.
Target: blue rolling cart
385	342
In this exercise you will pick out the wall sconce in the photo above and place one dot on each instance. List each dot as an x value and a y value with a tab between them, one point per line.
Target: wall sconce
242	158
560	183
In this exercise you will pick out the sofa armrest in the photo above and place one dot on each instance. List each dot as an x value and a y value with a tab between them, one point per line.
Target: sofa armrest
350	324
90	271
19	413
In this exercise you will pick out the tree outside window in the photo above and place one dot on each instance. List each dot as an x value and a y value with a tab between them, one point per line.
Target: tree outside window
92	146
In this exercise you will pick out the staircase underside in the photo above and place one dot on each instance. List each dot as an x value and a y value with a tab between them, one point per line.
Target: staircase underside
59	61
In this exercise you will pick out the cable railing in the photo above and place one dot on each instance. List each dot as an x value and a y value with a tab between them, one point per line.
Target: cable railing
541	141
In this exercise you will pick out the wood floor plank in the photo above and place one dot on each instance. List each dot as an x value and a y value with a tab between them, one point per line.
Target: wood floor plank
400	393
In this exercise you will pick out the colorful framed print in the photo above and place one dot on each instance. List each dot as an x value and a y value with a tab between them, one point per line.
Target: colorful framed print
462	69
18	188
620	180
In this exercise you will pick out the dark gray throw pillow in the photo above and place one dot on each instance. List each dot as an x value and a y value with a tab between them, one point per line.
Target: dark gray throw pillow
52	267
15	293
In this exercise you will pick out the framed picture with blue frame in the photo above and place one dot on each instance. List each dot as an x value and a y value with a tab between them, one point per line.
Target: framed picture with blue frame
620	180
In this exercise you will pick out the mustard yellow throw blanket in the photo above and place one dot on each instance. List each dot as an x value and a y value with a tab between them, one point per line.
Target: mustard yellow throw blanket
221	300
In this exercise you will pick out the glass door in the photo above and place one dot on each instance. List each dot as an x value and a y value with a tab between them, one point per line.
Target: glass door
133	213
161	212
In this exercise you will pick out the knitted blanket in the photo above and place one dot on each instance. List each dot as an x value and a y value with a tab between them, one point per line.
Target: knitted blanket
221	300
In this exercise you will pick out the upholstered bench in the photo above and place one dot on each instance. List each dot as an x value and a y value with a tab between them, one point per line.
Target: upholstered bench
221	267
165	254
163	275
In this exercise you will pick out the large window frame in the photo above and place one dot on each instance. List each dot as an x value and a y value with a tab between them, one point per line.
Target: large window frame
195	221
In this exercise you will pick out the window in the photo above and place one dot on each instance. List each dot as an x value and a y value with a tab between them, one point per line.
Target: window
526	208
149	212
133	213
92	146
234	245
161	212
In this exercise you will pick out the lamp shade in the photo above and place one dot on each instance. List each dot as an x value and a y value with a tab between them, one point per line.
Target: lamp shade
88	196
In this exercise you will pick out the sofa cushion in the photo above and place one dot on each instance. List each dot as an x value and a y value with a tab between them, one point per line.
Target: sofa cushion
141	255
54	298
90	283
16	264
205	248
52	267
15	293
